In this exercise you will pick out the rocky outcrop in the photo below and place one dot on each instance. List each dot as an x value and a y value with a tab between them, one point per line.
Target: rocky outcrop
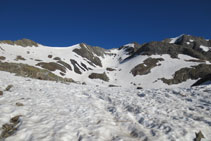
76	66
174	49
19	58
203	80
90	53
110	69
130	49
192	41
32	72
52	66
23	43
2	58
101	76
195	72
65	64
145	68
8	129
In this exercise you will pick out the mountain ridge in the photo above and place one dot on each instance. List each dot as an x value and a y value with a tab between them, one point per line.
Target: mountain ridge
147	65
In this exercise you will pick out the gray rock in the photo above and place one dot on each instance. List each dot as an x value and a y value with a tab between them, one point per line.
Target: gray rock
88	52
145	68
101	76
195	72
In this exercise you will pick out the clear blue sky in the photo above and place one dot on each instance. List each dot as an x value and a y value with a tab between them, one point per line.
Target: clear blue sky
105	23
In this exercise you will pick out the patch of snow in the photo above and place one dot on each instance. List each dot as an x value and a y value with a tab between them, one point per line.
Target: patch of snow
130	45
173	40
205	48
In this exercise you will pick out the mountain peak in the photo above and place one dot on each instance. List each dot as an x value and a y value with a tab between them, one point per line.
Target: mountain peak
190	40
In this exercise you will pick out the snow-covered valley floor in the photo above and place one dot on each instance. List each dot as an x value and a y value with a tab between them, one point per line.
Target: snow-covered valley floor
54	111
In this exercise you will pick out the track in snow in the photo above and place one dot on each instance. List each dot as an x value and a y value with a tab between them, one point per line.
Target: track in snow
63	112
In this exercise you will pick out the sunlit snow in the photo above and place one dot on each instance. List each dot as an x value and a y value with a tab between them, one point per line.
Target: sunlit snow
67	112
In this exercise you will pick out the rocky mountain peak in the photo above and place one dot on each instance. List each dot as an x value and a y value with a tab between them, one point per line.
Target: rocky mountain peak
192	40
130	48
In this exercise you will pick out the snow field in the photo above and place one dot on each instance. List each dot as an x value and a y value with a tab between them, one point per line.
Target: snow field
63	112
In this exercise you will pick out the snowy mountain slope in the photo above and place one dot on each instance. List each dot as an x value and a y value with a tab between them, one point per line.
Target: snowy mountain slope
63	112
151	65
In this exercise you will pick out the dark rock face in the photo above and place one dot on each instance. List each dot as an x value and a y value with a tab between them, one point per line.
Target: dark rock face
50	56
23	43
160	48
179	47
172	49
195	72
145	68
64	64
194	41
88	52
130	50
57	58
192	60
84	66
101	76
203	80
110	69
76	66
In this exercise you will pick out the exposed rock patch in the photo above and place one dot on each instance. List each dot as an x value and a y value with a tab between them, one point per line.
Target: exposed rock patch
11	128
130	50
193	41
50	56
64	64
8	88
84	66
192	60
23	43
77	66
110	69
101	76
1	93
32	72
111	85
195	72
2	58
62	74
203	80
19	104
174	50
52	66
19	58
145	68
38	60
57	58
88	52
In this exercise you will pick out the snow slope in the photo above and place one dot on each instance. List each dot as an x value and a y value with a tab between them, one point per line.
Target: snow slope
64	112
121	76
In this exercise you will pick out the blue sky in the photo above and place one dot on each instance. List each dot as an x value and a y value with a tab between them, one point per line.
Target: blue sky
105	23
